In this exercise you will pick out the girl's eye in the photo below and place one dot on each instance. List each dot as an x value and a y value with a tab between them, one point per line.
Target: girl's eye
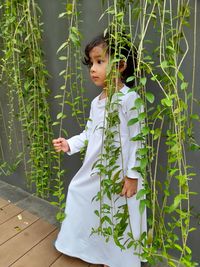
100	61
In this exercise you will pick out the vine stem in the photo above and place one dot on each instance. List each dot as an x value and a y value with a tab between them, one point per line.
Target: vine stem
144	30
66	72
154	178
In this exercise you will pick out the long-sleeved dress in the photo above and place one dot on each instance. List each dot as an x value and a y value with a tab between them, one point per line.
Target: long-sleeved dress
74	238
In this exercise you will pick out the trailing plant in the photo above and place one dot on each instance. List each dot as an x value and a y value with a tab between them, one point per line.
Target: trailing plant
168	199
166	127
71	92
114	218
24	76
168	116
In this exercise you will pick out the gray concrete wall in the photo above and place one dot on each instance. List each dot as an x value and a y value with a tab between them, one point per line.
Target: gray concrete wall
54	34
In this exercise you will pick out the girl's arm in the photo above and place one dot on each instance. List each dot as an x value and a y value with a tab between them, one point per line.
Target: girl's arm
78	141
75	143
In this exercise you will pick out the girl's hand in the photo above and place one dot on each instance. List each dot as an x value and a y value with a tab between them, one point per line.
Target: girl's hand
129	187
61	144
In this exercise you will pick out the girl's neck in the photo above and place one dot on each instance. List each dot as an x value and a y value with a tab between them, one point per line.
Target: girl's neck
104	93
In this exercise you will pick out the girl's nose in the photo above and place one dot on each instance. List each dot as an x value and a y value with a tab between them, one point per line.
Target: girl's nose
92	68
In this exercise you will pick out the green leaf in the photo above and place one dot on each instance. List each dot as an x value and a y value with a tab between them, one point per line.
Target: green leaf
154	77
130	79
171	263
62	58
189	251
59	115
142	206
138	103
177	201
116	176
180	75
17	50
150	236
74	36
141	116
192	229
69	7
150	97
164	64
194	116
167	102
157	133
145	130
178	247
142	151
141	193
143	163
58	96
54	203
170	48
143	81
65	132
107	219
55	123
61	15
62	72
132	121
62	46
130	244
97	212
184	85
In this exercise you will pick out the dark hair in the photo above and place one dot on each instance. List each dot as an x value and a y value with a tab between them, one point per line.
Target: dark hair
124	51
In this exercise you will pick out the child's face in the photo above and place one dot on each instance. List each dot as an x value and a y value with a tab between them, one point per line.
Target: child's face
99	62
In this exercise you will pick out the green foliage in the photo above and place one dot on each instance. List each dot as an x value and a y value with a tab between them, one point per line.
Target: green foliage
167	112
23	75
168	199
71	92
8	169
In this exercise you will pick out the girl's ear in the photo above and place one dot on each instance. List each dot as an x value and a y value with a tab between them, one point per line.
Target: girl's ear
122	66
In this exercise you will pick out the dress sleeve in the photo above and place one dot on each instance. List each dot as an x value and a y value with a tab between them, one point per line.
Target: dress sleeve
133	131
78	141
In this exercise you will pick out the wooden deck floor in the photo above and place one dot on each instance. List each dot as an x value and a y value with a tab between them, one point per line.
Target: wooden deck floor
27	240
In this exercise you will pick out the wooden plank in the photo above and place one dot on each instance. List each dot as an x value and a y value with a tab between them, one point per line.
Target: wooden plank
8	212
15	225
3	203
66	261
43	254
16	247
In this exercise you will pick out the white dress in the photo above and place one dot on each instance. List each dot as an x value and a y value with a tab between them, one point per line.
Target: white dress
74	238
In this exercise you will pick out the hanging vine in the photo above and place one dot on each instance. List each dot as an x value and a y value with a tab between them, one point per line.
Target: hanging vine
168	115
72	91
168	199
24	76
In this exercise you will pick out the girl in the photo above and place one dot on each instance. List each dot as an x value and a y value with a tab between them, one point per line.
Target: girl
75	237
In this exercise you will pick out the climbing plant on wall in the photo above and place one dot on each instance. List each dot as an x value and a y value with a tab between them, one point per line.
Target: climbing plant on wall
168	118
168	125
23	81
71	92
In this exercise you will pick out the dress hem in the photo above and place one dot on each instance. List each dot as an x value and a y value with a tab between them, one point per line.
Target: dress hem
67	253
